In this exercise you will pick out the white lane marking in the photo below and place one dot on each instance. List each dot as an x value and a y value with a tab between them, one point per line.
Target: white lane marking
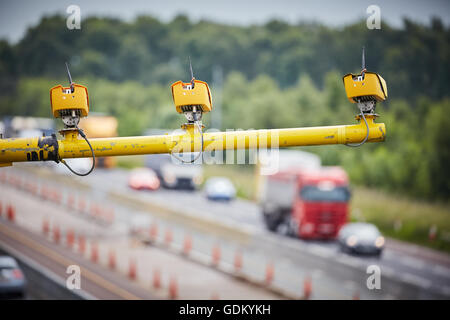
412	262
415	280
441	271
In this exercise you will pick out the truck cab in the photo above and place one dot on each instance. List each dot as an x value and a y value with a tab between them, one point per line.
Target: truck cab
309	203
320	206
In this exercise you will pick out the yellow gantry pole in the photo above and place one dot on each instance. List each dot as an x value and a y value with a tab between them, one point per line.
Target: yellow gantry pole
189	140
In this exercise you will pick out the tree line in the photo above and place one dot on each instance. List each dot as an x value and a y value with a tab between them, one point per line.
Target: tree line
275	75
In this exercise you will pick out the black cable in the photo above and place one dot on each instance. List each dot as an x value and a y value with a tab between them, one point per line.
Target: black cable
367	134
200	152
93	157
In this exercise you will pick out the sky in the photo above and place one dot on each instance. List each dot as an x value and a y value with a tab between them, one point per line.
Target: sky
17	15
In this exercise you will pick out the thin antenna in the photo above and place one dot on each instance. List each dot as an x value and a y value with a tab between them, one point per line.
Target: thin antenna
363	63
192	73
363	58
70	77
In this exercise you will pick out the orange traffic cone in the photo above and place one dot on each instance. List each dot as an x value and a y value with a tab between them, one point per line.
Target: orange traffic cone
168	237
81	244
156	278
216	255
432	233
153	232
94	252
70	238
45	227
81	205
270	270
71	201
112	259
215	296
11	213
307	288
56	234
132	273
238	261
187	245
173	288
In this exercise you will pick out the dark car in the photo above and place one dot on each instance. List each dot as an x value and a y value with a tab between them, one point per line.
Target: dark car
12	280
361	238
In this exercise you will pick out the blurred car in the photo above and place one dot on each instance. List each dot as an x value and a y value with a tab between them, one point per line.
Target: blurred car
361	238
219	188
12	280
181	176
143	179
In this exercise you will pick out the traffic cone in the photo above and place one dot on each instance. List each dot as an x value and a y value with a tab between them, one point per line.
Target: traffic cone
93	210
81	205
70	238
45	227
94	252
238	261
173	288
11	213
307	288
81	244
270	270
132	272
34	189
215	296
109	216
156	278
432	233
57	196
43	192
71	201
168	237
112	259
56	234
216	255
187	245
153	232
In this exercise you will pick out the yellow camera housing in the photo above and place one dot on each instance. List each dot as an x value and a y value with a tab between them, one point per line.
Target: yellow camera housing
370	85
63	99
185	95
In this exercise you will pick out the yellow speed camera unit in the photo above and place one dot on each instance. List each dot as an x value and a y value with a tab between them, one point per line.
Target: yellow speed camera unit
69	103
192	98
186	95
365	88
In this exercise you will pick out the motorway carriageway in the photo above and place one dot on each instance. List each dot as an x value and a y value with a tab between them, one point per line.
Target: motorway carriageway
411	266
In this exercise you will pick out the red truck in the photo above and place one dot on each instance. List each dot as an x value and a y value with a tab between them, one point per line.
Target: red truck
311	203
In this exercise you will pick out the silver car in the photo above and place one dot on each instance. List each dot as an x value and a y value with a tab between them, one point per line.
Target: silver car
12	280
361	238
219	189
